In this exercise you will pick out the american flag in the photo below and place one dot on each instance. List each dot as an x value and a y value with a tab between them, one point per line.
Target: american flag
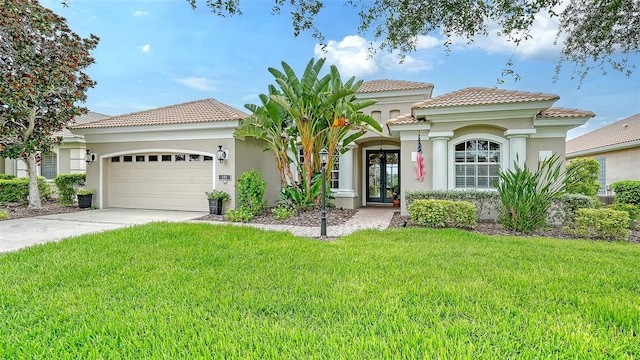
419	162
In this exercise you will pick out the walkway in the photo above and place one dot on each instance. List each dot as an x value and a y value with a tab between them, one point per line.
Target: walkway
20	233
365	218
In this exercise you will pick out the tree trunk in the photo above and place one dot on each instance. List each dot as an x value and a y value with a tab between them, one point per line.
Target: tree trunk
34	192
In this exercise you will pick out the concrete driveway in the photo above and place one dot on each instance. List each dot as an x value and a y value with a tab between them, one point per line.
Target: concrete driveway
19	233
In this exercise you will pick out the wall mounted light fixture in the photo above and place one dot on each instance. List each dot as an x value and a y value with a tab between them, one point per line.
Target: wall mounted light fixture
89	157
221	154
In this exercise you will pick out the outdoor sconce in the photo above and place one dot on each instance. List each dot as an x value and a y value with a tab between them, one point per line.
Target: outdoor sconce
89	157
222	155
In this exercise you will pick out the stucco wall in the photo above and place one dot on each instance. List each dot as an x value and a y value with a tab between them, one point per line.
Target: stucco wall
250	155
620	165
535	145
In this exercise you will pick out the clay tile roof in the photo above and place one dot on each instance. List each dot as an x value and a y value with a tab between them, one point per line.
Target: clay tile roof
620	132
82	119
403	120
392	85
483	96
201	111
554	113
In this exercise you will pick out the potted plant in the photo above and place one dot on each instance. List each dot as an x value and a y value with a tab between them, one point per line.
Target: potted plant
85	197
396	195
216	198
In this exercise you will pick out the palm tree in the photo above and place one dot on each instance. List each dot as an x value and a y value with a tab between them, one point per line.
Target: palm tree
302	111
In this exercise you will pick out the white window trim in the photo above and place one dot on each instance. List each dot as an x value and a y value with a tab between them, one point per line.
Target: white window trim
451	173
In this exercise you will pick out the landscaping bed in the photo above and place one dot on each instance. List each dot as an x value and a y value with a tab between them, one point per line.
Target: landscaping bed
49	207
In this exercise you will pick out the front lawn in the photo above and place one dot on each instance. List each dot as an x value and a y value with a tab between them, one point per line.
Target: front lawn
201	291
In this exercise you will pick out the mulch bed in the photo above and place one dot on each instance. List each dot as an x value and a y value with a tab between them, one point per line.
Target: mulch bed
49	207
493	228
311	218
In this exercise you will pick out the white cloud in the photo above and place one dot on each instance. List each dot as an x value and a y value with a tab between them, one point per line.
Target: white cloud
352	56
198	83
145	48
541	43
140	13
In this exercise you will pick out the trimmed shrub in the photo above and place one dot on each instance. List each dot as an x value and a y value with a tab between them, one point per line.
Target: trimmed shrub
251	190
17	190
607	224
486	202
282	212
67	184
443	213
563	209
242	214
583	178
627	191
632	210
7	177
4	215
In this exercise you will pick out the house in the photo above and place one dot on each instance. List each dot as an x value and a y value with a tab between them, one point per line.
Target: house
66	158
167	158
615	146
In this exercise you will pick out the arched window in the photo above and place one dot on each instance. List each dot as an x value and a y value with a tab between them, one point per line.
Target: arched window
49	164
477	164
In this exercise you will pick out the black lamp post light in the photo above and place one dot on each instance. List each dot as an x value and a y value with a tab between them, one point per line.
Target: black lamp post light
324	158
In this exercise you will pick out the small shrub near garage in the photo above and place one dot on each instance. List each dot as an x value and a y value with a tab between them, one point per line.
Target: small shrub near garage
251	188
627	191
17	190
606	224
7	177
443	213
67	184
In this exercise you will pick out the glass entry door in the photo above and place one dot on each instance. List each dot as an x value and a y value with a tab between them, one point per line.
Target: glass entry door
383	175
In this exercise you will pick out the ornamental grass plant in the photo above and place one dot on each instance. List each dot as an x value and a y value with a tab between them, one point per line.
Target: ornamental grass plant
167	290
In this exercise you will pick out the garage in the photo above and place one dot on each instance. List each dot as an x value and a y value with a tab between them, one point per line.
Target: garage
167	181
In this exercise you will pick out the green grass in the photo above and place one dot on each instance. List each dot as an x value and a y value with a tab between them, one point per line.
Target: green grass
205	291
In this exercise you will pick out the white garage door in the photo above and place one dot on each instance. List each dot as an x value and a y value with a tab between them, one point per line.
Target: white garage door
166	181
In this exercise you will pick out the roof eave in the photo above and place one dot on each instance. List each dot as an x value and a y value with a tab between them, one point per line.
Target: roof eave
217	125
504	111
621	146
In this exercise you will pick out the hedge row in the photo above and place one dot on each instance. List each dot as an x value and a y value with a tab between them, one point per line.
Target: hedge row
17	190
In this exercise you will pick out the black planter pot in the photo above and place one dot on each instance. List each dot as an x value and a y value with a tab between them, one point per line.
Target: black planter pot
215	206
84	201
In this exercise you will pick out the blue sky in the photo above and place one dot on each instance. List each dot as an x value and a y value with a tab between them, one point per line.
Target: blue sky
155	53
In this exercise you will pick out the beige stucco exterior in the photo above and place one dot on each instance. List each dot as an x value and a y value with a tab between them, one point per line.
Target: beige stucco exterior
517	126
623	164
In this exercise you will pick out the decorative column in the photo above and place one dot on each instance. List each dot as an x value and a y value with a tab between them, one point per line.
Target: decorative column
440	142
518	145
346	171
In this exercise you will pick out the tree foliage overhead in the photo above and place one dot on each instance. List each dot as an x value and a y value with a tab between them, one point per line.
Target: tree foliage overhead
598	33
41	80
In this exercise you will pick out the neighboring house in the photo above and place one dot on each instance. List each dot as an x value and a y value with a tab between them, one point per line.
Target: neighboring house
66	158
615	146
166	158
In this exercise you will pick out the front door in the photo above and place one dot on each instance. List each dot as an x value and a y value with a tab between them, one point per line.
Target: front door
383	175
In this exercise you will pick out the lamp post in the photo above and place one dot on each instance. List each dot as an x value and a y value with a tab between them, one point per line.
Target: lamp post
324	158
